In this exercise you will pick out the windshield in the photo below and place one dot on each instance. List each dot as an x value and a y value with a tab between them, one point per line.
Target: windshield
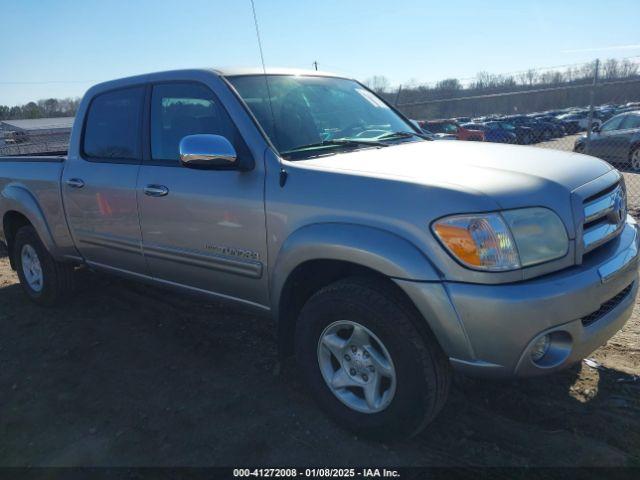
314	114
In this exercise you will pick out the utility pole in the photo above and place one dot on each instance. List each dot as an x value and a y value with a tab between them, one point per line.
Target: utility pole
398	95
315	65
591	102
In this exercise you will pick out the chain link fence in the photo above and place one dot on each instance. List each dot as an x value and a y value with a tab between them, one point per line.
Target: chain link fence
594	109
596	116
37	136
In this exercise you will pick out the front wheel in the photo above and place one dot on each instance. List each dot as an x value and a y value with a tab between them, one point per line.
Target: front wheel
368	363
44	280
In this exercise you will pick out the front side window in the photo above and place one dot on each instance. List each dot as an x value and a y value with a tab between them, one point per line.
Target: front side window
112	129
630	122
613	124
181	109
307	114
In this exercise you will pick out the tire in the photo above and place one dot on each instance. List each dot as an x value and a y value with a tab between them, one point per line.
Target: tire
45	281
421	375
526	139
547	135
579	148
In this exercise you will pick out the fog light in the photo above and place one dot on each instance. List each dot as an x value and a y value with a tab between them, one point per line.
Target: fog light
540	348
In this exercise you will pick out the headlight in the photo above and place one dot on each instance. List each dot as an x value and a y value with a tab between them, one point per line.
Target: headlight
503	241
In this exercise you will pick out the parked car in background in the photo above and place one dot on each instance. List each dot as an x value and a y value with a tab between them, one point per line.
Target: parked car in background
437	136
524	135
428	134
616	141
451	127
581	118
541	131
559	127
495	135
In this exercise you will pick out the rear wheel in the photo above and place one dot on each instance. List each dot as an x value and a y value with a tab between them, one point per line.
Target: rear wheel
44	280
367	362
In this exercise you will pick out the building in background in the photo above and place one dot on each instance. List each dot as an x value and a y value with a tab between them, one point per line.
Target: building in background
37	135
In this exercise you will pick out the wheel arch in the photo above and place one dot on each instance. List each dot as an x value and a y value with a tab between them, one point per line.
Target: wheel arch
320	254
20	207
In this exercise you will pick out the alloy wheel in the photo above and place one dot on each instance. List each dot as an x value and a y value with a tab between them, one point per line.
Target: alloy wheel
356	366
31	268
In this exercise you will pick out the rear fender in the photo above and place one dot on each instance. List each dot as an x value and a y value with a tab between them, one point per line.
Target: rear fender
16	197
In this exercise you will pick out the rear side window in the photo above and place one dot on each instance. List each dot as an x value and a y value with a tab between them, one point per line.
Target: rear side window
181	109
113	125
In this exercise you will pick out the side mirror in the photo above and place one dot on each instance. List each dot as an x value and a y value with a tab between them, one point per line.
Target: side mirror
207	151
595	128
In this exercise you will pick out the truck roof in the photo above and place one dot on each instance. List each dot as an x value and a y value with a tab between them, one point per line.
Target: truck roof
221	72
238	71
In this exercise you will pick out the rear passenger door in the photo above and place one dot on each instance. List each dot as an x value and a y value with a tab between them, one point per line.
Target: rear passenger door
99	184
204	229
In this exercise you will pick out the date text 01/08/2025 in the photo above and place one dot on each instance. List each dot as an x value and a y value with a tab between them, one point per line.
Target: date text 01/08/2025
316	473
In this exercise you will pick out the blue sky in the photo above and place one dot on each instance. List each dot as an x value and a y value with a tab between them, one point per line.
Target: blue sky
79	42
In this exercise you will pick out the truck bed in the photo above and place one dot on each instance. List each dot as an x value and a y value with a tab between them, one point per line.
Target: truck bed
33	182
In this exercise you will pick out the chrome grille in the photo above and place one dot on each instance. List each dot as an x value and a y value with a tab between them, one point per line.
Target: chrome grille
604	216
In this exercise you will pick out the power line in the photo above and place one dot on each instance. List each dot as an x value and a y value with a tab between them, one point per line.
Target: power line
520	92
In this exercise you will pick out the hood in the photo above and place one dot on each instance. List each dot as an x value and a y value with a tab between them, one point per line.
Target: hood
513	176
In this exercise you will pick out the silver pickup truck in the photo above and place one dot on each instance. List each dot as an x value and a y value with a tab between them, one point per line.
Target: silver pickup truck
386	260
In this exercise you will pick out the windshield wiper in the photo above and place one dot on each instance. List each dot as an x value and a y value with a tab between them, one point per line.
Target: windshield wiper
389	135
338	142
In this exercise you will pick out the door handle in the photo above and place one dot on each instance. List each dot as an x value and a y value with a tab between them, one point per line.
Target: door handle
156	190
75	183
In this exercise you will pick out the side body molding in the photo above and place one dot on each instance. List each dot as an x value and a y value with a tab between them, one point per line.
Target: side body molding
16	197
379	250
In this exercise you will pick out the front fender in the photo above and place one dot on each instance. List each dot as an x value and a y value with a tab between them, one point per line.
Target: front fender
17	198
379	250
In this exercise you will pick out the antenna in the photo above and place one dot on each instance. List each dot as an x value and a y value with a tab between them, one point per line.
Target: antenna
283	172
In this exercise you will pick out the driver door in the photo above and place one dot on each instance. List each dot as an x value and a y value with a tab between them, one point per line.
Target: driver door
600	143
202	229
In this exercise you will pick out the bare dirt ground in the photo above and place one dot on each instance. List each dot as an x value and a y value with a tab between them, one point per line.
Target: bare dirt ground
131	375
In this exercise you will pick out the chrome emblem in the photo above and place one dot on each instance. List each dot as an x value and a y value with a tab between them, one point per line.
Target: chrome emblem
620	206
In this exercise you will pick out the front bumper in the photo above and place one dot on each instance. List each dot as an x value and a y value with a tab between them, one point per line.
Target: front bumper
489	330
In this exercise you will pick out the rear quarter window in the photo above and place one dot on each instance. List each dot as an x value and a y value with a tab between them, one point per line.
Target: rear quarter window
113	125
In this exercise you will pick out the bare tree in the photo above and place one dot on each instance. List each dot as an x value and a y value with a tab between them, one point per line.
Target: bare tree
378	83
